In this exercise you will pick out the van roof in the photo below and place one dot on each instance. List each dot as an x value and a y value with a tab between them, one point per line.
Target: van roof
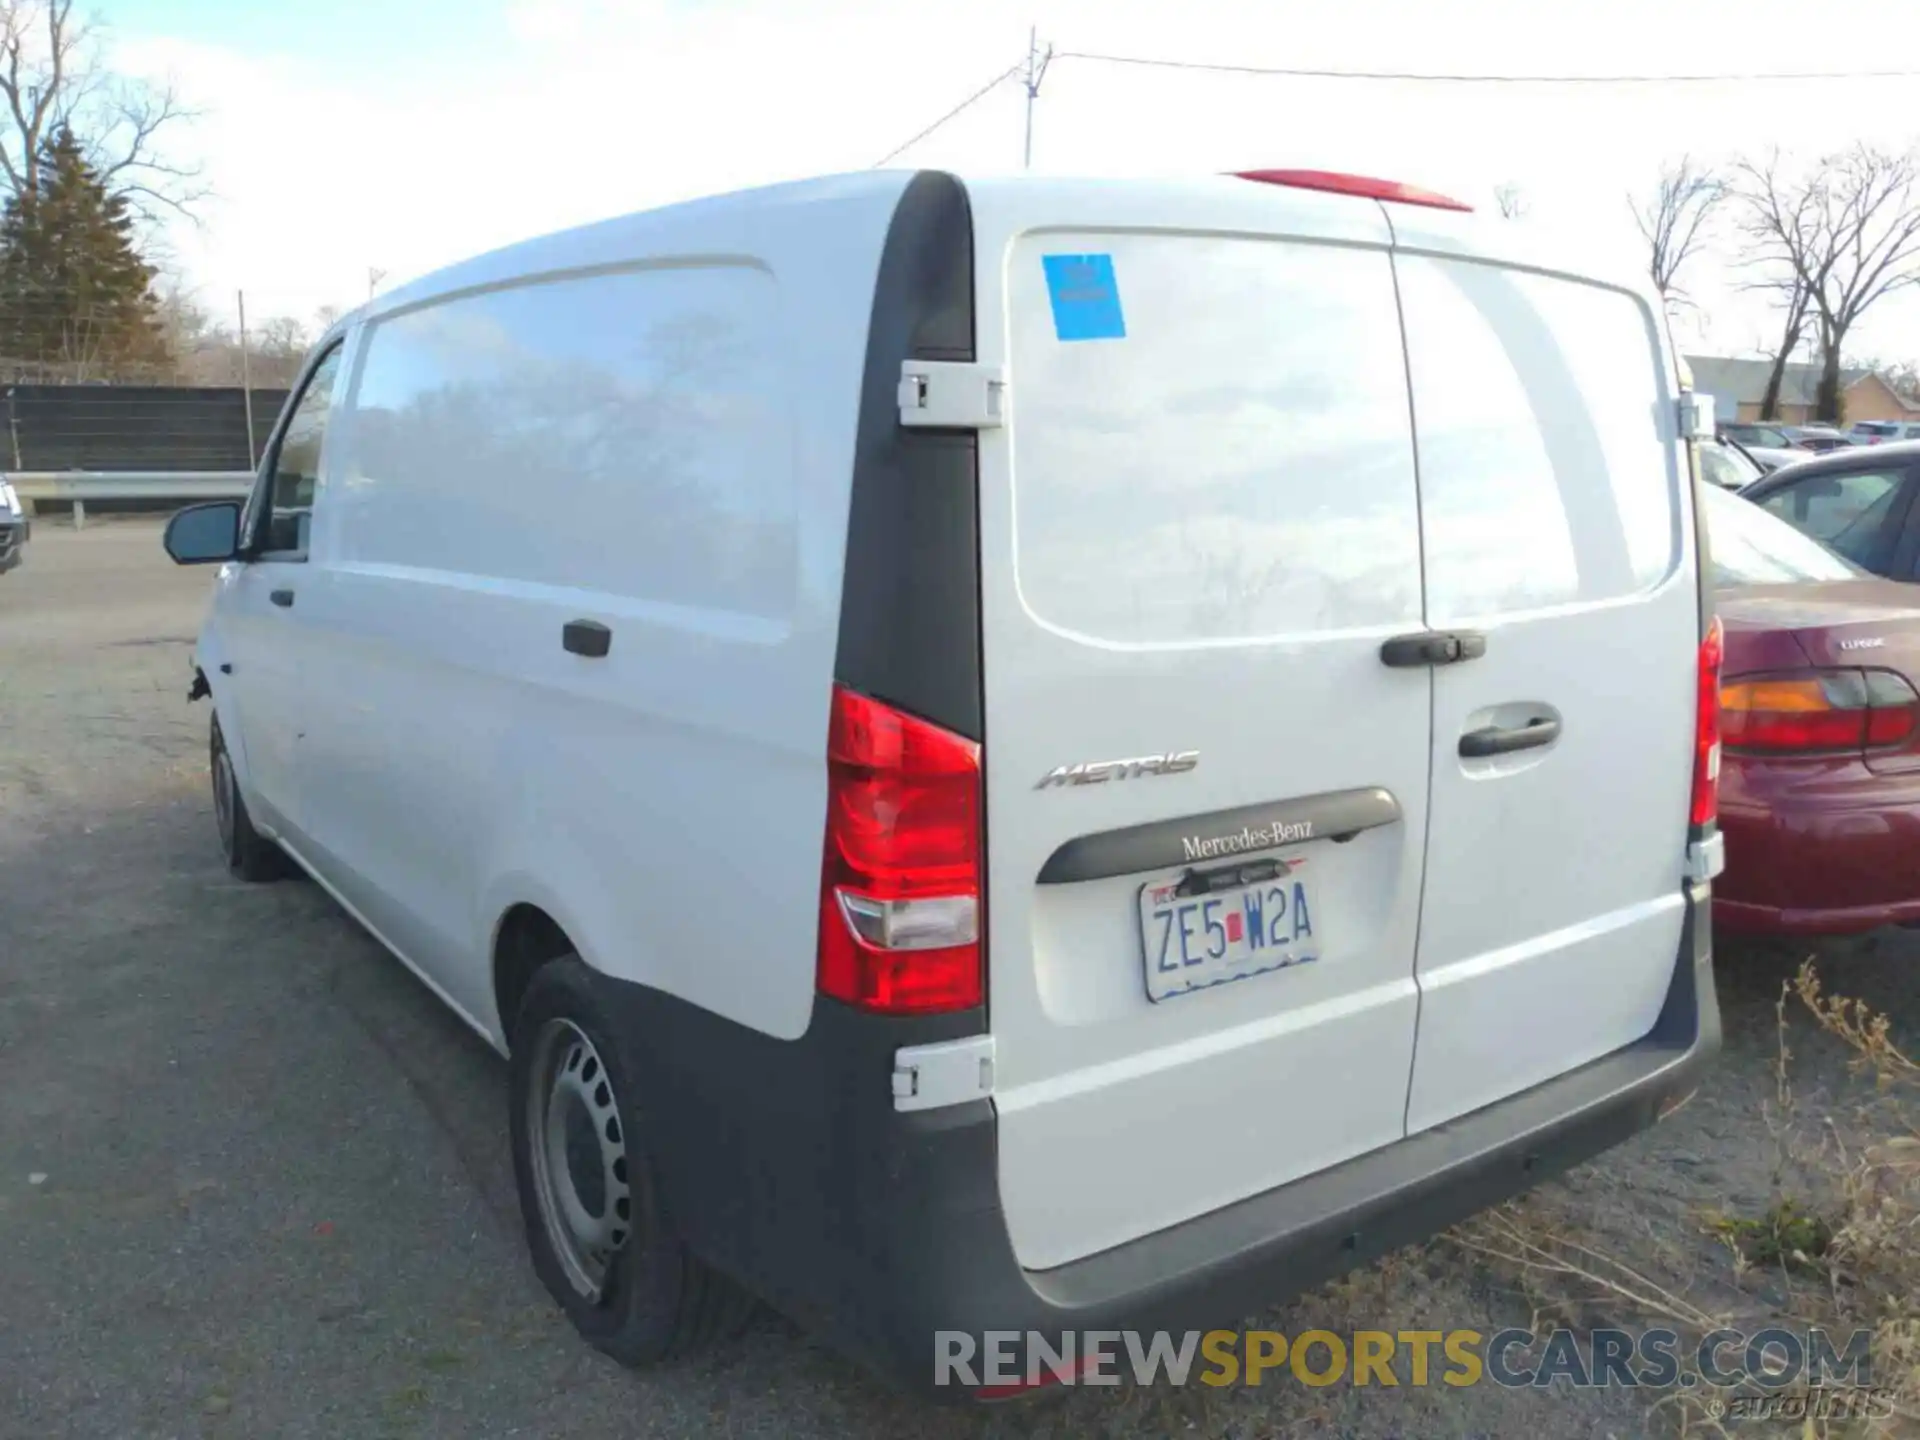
747	222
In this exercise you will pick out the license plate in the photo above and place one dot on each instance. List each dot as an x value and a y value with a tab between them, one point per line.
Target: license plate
1194	938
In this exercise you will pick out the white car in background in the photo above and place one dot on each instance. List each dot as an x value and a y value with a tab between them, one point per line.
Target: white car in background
14	528
1879	432
1819	437
1730	466
1768	446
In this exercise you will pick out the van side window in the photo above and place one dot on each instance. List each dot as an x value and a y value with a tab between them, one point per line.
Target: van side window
640	414
1546	467
294	472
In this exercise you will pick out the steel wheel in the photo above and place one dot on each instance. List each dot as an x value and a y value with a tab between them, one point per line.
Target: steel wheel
578	1151
223	795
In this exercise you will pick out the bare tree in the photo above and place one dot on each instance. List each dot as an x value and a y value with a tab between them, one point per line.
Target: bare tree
281	337
54	73
1777	222
1902	377
1674	221
1792	299
1512	201
1849	233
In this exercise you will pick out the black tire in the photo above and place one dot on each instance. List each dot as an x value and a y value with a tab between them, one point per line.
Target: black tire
250	855
640	1296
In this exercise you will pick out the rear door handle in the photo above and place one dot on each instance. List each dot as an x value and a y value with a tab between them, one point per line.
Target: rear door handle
282	598
1505	739
1433	647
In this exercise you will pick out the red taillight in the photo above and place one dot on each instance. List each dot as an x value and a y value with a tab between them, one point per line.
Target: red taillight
1818	710
1706	730
1889	727
1361	185
900	884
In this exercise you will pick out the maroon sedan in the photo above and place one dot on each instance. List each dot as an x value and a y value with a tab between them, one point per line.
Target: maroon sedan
1820	733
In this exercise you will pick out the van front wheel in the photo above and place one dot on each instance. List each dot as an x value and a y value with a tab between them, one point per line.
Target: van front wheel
250	855
588	1195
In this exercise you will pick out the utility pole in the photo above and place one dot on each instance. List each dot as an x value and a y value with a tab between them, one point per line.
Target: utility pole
1037	61
246	380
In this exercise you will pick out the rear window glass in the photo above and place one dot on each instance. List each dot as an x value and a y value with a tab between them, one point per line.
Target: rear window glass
1210	438
1750	547
1546	471
1847	513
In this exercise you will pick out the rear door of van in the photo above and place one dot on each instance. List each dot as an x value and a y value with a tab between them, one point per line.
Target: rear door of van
1557	521
1206	795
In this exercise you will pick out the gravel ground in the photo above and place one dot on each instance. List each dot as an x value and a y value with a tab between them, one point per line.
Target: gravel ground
254	1181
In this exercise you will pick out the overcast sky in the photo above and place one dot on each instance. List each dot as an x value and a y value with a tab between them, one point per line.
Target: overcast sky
399	135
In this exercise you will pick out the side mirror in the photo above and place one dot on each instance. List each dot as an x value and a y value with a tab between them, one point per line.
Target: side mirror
204	534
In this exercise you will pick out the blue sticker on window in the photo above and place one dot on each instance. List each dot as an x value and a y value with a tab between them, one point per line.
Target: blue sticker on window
1085	296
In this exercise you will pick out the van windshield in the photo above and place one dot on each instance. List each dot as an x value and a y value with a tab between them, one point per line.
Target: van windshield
1751	547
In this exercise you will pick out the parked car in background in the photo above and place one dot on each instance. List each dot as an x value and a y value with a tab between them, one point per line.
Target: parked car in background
1819	729
15	527
1727	465
1767	446
1857	501
1754	432
1878	432
1818	438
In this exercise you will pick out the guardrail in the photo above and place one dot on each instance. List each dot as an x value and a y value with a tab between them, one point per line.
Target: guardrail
80	486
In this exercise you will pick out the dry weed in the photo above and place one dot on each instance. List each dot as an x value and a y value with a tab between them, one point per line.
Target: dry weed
1838	1244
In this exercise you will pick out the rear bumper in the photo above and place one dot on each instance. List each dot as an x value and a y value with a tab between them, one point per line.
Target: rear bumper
785	1164
1828	851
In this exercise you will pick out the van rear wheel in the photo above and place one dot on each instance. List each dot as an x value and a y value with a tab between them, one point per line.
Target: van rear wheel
589	1198
249	854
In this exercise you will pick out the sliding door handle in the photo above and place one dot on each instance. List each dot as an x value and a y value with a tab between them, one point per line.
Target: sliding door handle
1505	739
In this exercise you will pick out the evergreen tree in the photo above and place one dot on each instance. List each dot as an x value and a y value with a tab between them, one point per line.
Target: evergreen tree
74	290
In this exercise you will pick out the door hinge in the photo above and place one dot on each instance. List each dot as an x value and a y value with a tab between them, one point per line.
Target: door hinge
1696	413
952	394
949	1072
1706	857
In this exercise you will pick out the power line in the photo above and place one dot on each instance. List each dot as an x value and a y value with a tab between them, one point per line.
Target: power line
980	94
1303	73
1034	66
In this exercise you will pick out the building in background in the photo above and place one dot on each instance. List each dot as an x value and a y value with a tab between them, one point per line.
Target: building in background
1738	386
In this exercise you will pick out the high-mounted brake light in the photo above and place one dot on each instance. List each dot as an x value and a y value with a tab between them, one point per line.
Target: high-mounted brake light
900	881
1839	711
1362	185
1706	730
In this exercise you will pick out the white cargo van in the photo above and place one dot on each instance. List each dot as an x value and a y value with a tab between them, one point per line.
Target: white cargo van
1019	754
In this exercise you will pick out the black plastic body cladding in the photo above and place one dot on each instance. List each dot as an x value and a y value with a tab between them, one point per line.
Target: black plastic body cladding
1163	844
785	1164
910	598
